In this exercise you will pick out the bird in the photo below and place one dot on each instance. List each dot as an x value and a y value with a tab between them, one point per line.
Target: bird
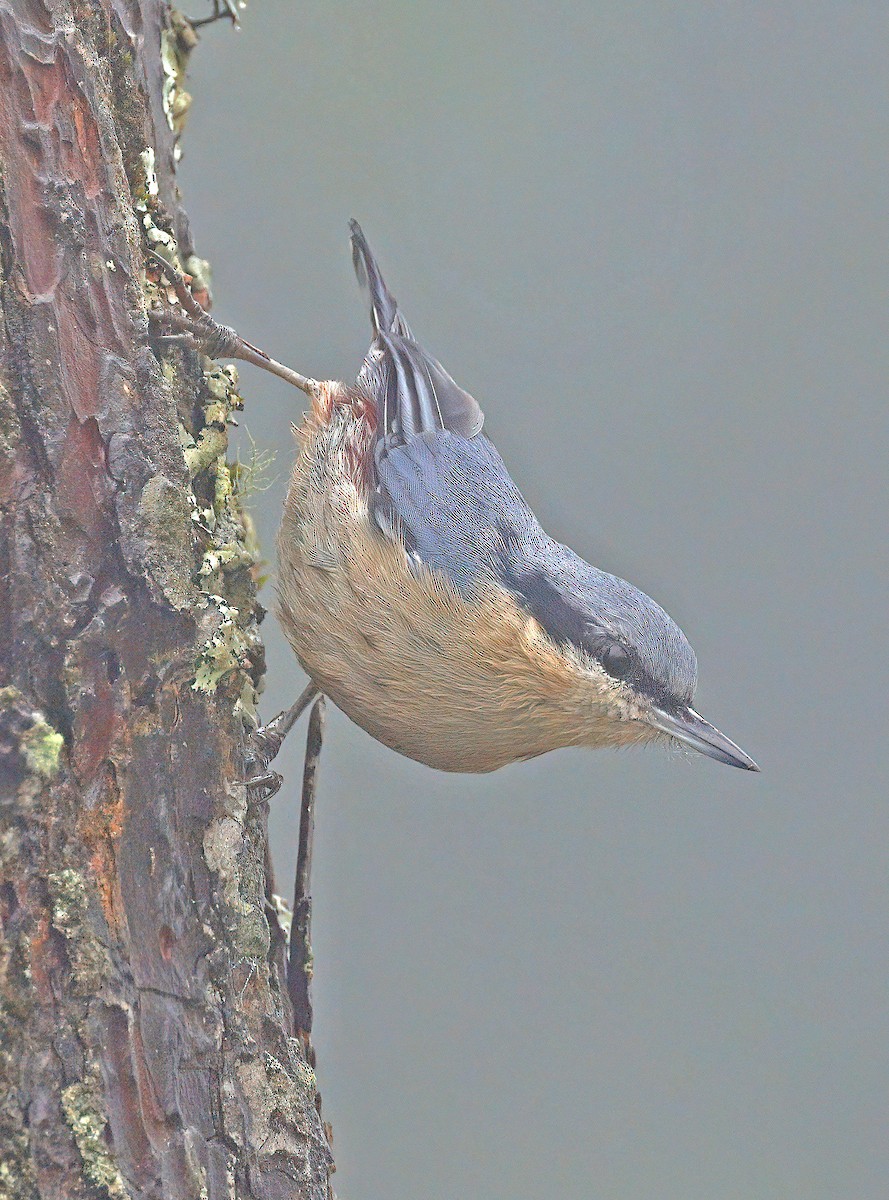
420	593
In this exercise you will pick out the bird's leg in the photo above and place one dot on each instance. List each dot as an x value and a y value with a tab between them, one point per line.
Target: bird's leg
221	8
265	743
197	330
299	961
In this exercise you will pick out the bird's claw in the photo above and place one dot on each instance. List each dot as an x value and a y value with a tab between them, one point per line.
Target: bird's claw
265	742
194	328
221	9
190	326
262	749
178	282
264	745
262	787
201	333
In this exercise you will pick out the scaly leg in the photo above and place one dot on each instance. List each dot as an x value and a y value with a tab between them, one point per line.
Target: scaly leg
292	962
197	330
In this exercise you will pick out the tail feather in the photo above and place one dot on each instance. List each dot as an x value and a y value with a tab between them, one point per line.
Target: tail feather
383	306
413	392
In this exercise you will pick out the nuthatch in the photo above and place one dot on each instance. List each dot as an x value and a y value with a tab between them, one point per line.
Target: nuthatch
420	593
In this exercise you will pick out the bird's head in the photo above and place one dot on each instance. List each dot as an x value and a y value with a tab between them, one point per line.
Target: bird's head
641	668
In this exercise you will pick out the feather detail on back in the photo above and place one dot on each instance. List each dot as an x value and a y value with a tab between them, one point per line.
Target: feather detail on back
413	392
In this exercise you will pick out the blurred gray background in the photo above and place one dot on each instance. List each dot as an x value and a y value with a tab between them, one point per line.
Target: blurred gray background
651	238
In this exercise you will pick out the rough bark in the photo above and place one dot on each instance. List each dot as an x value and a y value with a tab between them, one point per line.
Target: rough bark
146	1043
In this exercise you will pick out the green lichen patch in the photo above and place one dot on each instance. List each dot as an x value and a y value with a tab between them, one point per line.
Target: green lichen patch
42	745
205	451
90	962
230	657
205	445
82	1104
223	652
233	650
38	743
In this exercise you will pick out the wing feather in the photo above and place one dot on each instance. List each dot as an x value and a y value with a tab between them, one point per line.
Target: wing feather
413	392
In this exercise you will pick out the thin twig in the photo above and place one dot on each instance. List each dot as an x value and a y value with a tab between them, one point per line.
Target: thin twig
299	968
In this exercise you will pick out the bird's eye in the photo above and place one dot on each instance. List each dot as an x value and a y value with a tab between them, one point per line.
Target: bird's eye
616	660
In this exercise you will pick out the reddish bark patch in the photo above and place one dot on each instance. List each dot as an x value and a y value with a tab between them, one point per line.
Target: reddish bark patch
83	485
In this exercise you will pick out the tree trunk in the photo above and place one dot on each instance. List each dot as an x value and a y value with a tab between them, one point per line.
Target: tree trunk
146	1043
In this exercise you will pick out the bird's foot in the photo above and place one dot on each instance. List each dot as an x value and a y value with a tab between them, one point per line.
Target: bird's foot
192	327
221	9
262	787
264	744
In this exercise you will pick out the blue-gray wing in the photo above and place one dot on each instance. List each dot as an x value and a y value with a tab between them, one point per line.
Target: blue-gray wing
453	502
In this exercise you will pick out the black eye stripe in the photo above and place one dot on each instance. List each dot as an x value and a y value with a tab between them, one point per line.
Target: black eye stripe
568	624
562	620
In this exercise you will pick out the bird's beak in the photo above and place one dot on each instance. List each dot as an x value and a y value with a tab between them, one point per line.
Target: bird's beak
691	729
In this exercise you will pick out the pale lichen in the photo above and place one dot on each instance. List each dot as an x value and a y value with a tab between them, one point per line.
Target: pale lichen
147	187
168	553
207	450
82	1105
17	1178
90	962
278	1093
146	204
224	651
283	913
17	1175
234	645
224	849
201	275
230	652
10	426
177	42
